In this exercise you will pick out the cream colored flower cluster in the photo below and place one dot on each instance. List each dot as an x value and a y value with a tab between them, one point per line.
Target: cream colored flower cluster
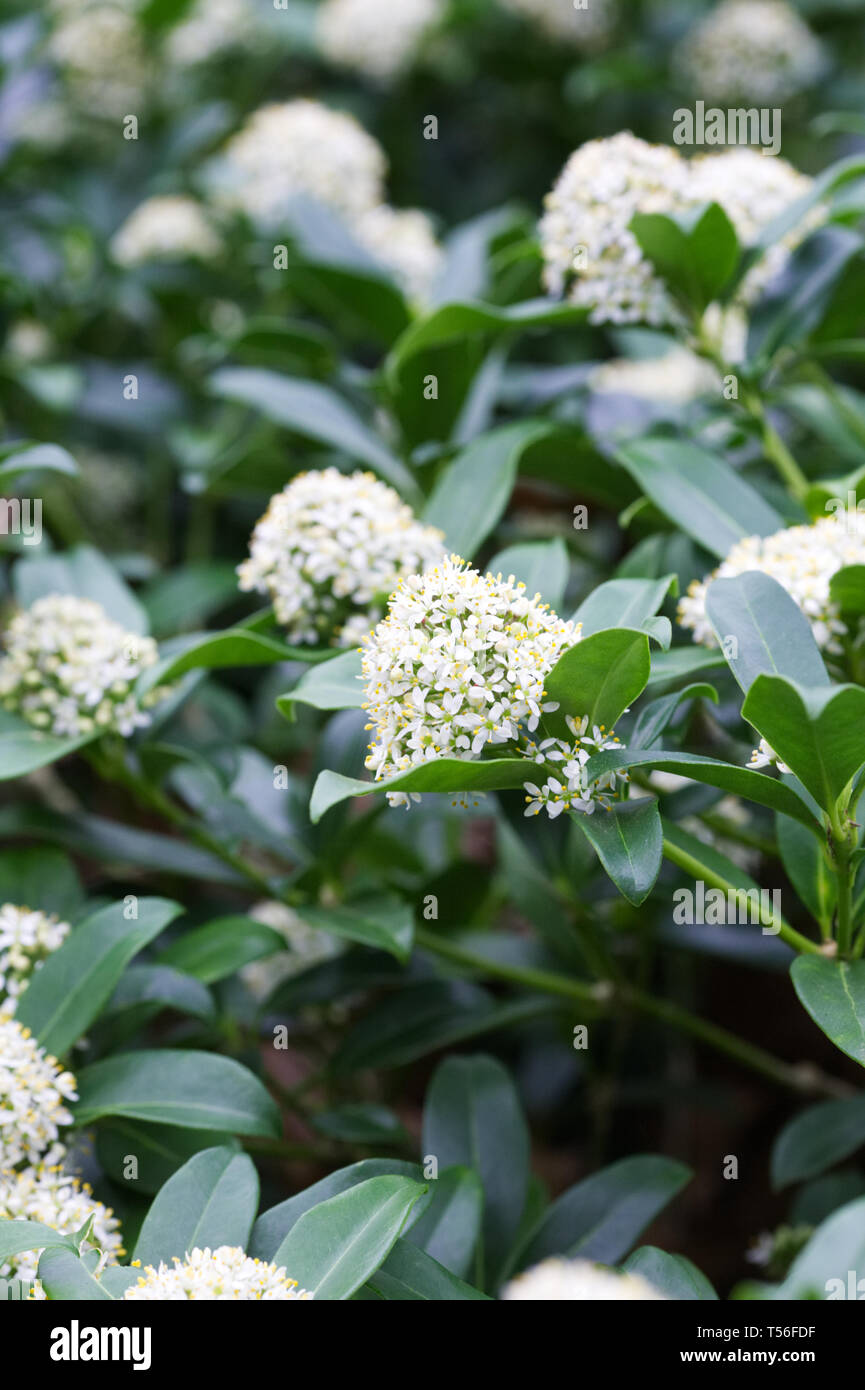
572	790
329	550
171	227
302	148
27	938
305	947
225	1273
757	51
46	1194
70	669
590	252
803	560
586	24
677	376
214	27
33	1088
376	37
99	49
458	668
558	1280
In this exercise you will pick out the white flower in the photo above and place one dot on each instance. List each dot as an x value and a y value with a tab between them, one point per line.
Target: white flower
26	939
676	377
571	789
28	340
165	228
100	51
458	668
70	669
404	241
306	947
32	1091
377	37
213	27
759	51
754	189
226	1273
558	1280
56	1199
803	560
586	244
301	147
330	548
765	756
587	25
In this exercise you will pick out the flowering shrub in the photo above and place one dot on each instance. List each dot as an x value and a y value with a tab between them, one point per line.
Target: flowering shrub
417	407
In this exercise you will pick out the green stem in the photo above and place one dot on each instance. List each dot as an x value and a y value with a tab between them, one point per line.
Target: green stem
841	853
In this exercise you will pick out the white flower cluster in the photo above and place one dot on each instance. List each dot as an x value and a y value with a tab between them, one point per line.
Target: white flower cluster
56	1199
754	189
166	228
573	791
586	25
100	51
376	37
32	1091
558	1280
306	947
803	560
677	376
403	240
302	148
759	51
213	27
329	550
590	252
458	667
225	1273
69	669
585	237
27	938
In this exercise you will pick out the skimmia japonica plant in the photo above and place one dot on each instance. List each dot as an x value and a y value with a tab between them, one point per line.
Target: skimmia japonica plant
432	652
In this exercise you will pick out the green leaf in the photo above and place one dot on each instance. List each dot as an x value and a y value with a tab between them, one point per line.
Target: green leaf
210	1201
44	879
670	667
222	947
819	733
25	456
449	1226
73	984
821	1269
85	573
408	1275
473	1117
654	717
797	299
360	1122
699	492
623	603
154	987
820	1137
599	677
695	254
437	775
847	589
16	1236
272	1227
383	922
66	1278
741	781
159	1151
23	749
807	868
193	1090
334	684
473	491
334	1248
601	1217
672	1275
215	651
541	565
772	635
629	843
833	993
313	410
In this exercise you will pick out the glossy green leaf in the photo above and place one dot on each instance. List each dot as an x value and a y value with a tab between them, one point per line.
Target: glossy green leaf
16	1236
272	1227
820	1271
819	733
222	947
541	565
384	922
820	1137
210	1201
833	993
847	588
333	684
25	456
771	635
599	678
695	254
623	603
65	1278
452	775
672	1275
23	749
449	1226
629	843
44	879
409	1275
